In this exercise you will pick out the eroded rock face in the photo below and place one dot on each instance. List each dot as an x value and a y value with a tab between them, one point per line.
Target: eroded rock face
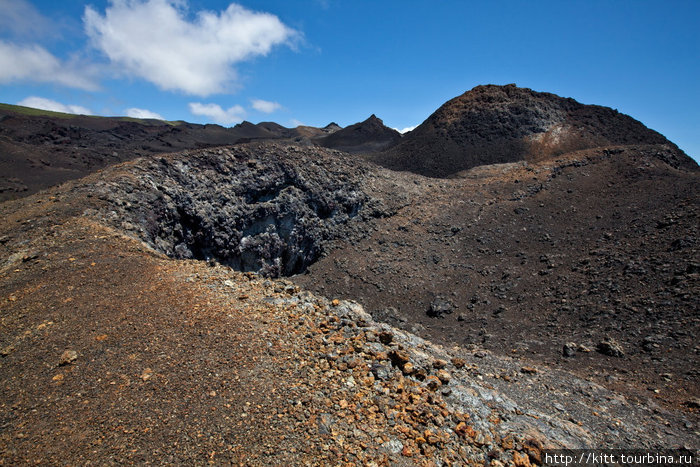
267	208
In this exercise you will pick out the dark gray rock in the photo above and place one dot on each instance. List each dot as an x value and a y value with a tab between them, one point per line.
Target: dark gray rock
251	207
440	306
569	349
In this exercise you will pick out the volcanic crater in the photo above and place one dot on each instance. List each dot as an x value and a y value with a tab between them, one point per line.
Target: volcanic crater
518	273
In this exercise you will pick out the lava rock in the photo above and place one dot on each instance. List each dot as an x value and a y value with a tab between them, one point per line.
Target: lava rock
440	306
611	348
569	349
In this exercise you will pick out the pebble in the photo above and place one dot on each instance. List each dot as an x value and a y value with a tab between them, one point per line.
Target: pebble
444	376
146	374
68	357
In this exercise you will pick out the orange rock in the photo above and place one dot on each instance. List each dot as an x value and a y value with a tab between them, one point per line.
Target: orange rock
465	430
458	362
533	449
408	451
507	443
444	376
439	364
521	460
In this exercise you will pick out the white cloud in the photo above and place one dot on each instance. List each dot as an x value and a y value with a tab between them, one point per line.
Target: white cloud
265	106
407	129
142	113
229	116
295	123
48	104
21	18
155	40
34	63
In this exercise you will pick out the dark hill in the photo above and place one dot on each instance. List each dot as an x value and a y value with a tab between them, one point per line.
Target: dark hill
368	136
498	124
40	148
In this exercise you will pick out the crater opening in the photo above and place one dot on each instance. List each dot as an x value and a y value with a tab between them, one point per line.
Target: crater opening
263	208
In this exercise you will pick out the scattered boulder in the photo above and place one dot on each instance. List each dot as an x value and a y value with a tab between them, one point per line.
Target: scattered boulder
385	337
569	349
610	347
381	372
444	376
68	357
440	306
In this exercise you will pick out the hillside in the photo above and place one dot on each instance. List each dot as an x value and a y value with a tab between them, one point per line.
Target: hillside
500	124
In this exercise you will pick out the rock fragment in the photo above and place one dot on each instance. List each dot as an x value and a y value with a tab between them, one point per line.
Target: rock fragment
440	306
68	357
611	348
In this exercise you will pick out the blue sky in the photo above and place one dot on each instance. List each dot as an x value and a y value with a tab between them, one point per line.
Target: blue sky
317	61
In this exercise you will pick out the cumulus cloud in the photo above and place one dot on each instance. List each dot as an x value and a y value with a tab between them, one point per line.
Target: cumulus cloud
142	113
295	123
265	106
157	41
48	104
34	63
229	116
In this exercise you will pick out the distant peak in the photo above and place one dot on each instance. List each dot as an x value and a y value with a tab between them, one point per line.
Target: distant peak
373	120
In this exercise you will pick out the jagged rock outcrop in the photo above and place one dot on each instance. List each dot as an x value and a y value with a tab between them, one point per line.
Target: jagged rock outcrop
266	207
499	124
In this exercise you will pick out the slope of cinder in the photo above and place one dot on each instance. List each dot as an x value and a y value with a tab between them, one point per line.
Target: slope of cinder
524	259
499	124
114	353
